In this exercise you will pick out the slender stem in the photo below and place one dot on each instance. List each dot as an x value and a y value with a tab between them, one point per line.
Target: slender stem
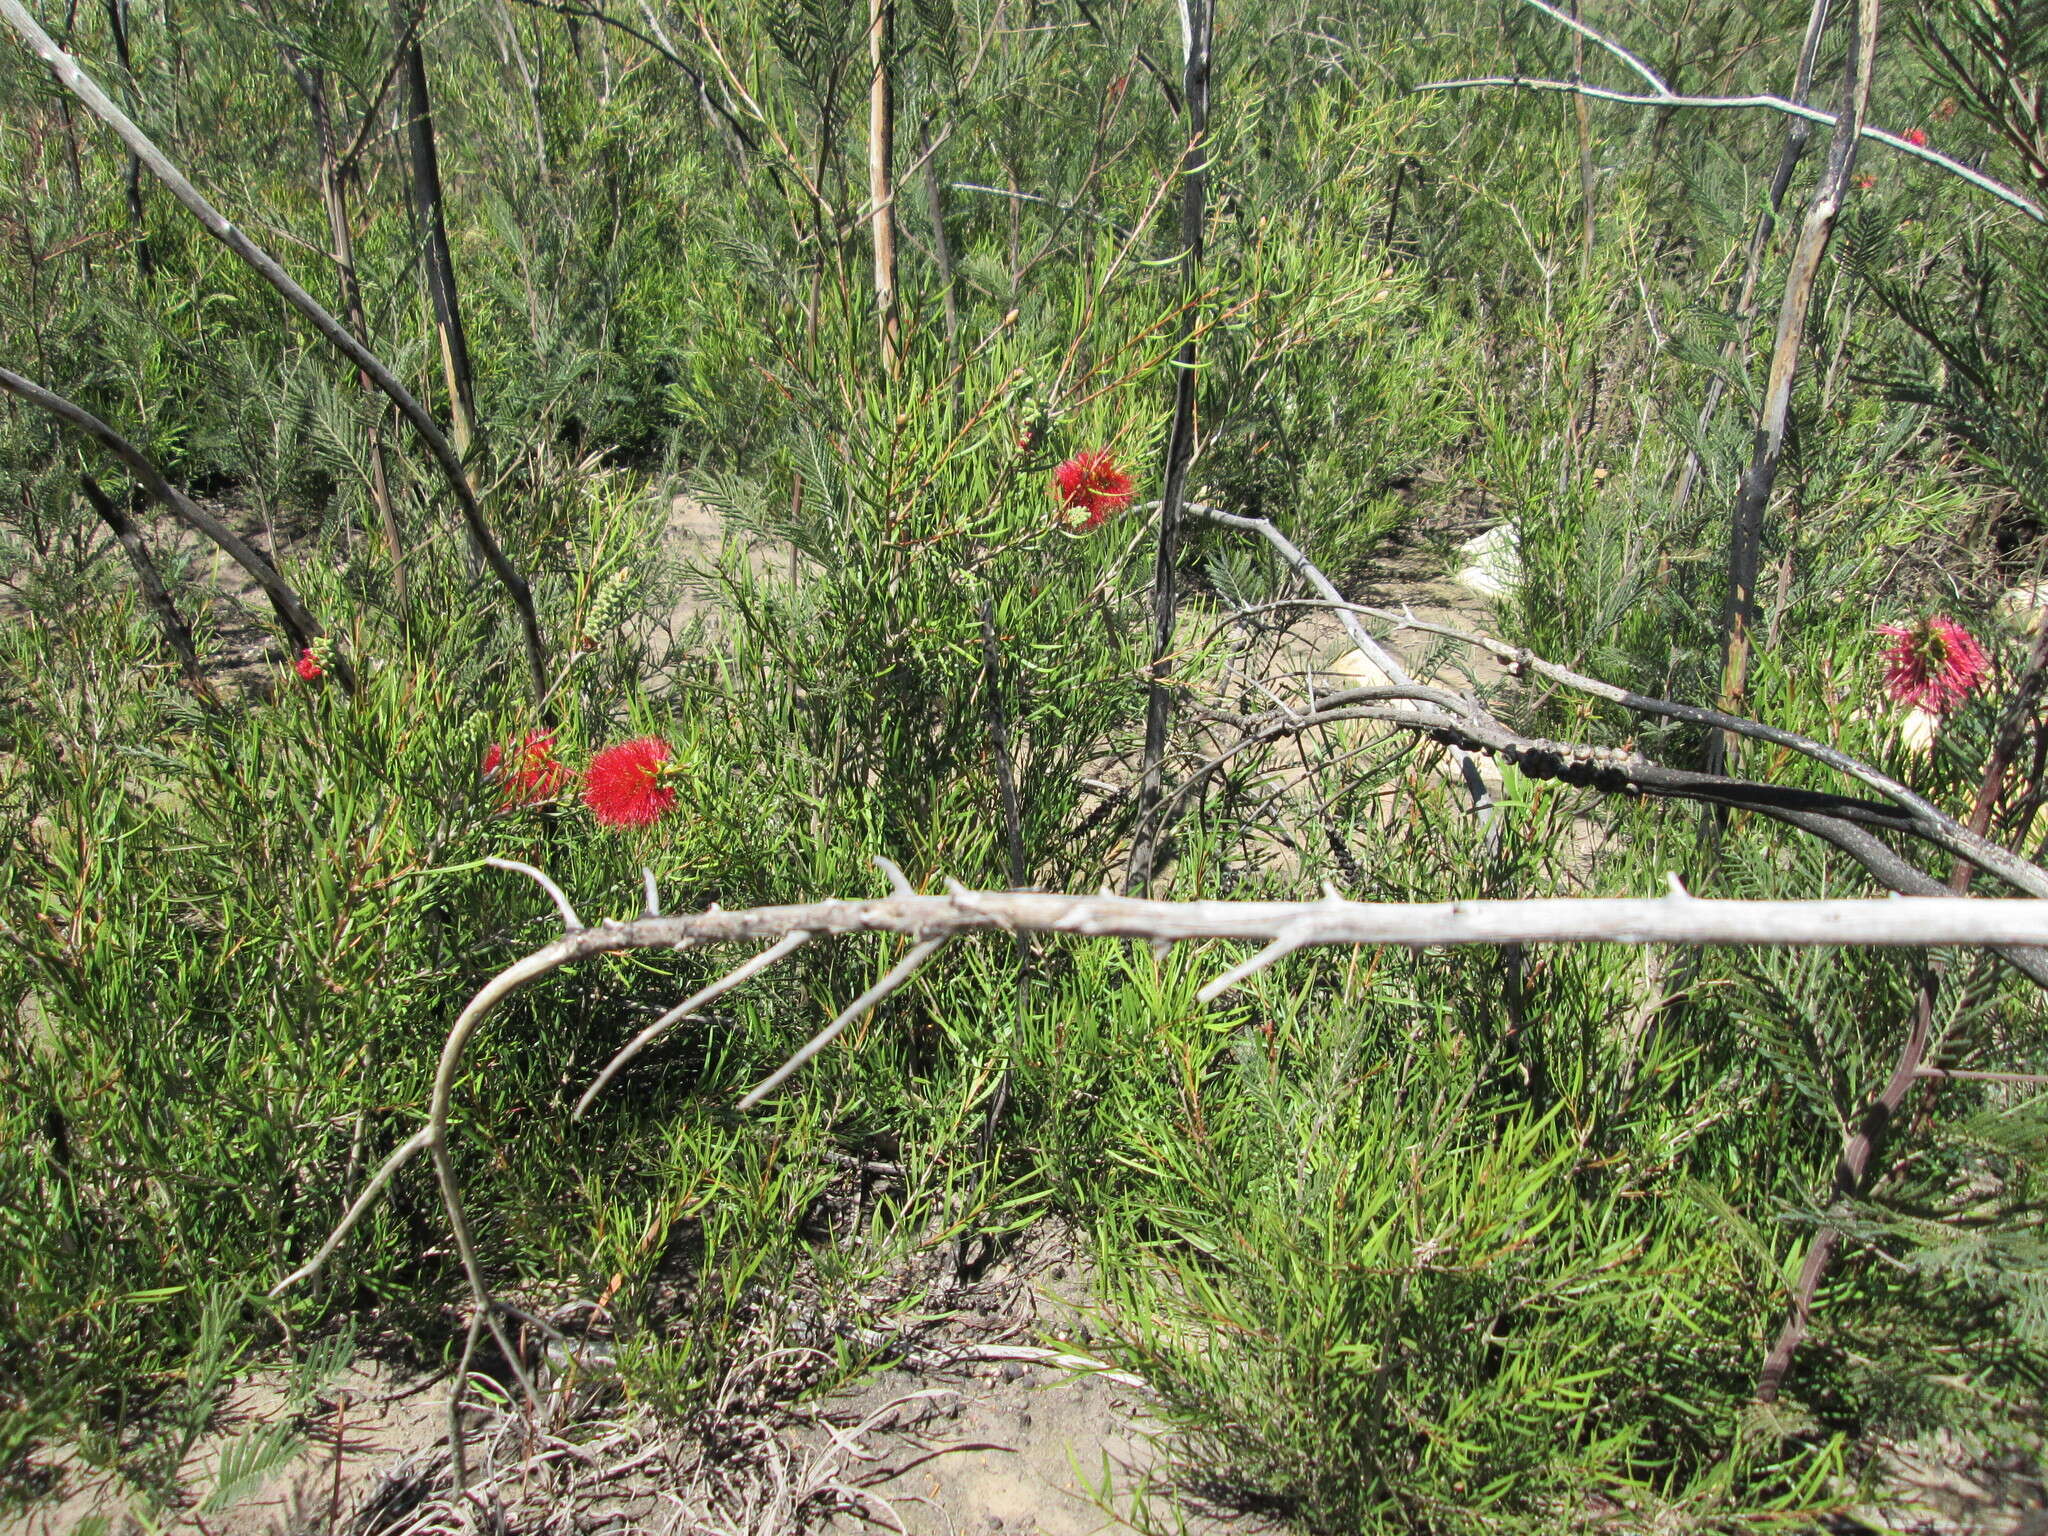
177	633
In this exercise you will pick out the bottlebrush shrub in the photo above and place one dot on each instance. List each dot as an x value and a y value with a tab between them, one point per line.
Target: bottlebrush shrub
527	770
628	785
1933	664
1090	488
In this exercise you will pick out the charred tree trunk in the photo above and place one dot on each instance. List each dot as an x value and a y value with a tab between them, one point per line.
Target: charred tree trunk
1197	19
435	257
177	633
334	199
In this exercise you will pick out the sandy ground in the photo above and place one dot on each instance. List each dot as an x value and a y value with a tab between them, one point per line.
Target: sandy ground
993	1417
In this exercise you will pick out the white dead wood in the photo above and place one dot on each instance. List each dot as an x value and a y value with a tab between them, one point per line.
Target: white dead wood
1282	926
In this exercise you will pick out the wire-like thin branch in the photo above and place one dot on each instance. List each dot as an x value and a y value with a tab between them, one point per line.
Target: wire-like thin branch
1035	197
1662	96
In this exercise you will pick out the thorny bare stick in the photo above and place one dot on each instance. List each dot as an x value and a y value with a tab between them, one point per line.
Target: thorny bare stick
1675	918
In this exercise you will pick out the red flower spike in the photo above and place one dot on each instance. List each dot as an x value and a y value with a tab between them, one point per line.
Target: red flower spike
623	786
1917	137
1934	664
1090	488
528	770
308	666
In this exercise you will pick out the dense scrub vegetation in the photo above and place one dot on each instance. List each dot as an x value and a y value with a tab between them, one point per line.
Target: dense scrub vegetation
1447	1240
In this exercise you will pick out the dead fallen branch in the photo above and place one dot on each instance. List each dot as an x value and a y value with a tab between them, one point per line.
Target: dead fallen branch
1280	926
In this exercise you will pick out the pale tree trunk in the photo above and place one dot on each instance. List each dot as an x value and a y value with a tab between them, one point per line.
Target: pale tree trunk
881	133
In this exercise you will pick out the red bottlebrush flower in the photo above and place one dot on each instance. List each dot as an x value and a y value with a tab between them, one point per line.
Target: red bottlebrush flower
624	785
1933	664
528	769
308	666
1917	137
1090	488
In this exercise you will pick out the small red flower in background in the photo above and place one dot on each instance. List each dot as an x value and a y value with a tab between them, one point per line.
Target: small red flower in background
308	666
624	785
528	769
1090	488
1917	137
1933	664
1866	182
